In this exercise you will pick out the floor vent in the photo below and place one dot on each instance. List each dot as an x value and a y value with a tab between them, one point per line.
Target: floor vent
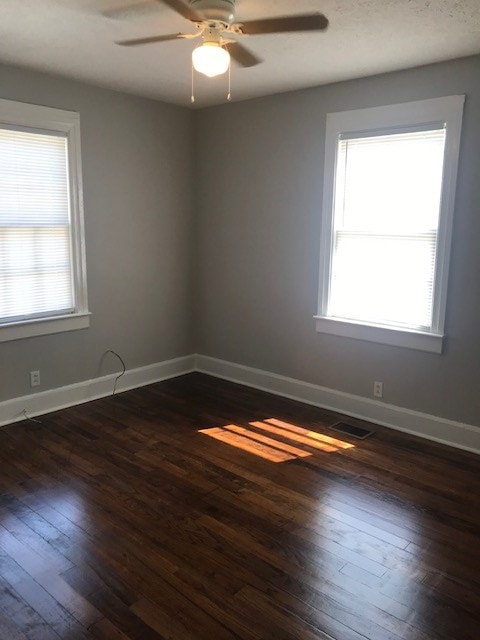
352	430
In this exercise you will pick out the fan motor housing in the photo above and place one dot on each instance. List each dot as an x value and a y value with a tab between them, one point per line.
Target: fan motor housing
216	10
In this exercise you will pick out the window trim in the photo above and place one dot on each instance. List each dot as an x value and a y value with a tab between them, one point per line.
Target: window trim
446	111
67	123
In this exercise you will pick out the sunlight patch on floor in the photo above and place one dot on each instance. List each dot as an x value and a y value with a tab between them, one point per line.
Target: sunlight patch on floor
339	444
253	440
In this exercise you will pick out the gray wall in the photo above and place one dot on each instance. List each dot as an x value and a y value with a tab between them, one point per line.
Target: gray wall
259	188
245	254
137	170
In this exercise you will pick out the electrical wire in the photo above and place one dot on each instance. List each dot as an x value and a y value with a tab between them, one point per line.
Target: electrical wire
120	374
27	417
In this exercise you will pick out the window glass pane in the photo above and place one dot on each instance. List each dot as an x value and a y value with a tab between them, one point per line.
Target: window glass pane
384	279
387	206
35	234
391	183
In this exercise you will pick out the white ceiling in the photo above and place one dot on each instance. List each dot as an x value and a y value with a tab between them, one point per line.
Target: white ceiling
74	38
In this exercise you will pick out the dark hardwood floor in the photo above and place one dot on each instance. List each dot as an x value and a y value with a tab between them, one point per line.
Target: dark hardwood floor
165	513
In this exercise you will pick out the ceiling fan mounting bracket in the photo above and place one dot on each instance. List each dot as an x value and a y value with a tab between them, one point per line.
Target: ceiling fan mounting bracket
236	28
212	30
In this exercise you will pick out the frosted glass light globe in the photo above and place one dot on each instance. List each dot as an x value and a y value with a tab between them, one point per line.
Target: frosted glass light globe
211	59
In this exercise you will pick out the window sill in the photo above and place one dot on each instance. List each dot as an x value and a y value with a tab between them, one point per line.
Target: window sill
44	326
410	339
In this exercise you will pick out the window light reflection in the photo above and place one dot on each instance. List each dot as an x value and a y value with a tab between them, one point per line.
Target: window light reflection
282	442
247	444
340	444
298	453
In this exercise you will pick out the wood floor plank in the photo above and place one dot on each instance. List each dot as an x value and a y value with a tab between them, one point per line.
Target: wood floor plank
10	630
104	629
24	617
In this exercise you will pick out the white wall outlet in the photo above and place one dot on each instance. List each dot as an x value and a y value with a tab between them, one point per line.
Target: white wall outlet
378	389
34	378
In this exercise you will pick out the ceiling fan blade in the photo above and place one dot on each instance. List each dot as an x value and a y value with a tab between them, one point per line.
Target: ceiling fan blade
183	9
312	22
151	39
242	55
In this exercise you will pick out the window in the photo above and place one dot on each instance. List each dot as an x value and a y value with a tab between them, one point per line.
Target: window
42	262
389	192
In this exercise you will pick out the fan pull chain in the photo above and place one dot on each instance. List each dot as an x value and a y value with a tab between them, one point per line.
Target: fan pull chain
192	99
229	94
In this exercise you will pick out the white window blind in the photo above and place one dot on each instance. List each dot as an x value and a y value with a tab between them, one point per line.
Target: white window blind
386	216
36	276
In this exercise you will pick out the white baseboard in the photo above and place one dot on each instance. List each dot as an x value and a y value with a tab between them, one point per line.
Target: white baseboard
455	434
37	404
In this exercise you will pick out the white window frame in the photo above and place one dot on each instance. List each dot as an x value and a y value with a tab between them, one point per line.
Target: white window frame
66	123
445	111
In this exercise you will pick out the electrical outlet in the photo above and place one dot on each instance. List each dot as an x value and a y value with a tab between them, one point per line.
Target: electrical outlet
378	389
34	378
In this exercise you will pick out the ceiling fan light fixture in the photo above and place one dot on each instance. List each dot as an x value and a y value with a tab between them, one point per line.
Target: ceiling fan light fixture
211	59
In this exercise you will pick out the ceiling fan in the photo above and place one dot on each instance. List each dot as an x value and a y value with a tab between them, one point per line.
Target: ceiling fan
214	21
